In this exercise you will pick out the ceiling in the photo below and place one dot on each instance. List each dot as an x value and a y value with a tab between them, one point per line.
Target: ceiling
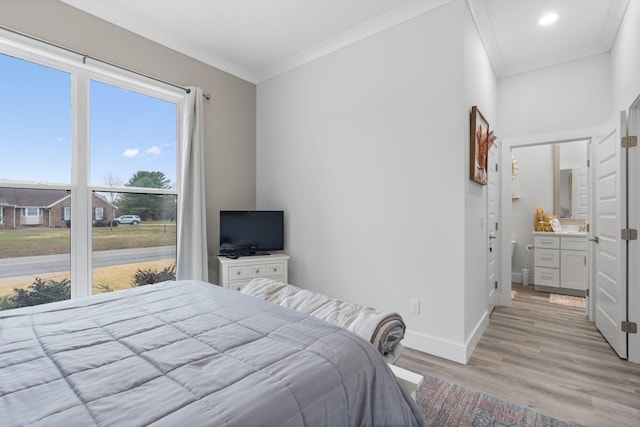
259	39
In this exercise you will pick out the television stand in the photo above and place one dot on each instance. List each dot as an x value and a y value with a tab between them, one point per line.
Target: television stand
235	273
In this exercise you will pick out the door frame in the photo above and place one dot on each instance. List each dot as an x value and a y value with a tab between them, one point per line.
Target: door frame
633	221
505	193
633	348
495	245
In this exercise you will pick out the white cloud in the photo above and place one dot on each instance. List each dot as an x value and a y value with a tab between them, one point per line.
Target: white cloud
131	152
154	150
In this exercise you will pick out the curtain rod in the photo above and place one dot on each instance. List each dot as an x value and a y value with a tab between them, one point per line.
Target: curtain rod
87	56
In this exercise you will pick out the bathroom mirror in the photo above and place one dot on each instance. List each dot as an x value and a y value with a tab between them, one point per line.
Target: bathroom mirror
570	179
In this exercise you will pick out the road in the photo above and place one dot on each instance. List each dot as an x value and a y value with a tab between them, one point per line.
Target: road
30	266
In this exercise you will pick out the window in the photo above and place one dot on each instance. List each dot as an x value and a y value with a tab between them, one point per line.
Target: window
115	155
1	215
98	214
31	211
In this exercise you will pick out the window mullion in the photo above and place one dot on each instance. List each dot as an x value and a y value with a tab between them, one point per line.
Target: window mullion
80	194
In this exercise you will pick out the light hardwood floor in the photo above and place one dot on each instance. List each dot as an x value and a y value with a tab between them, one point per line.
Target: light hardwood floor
547	357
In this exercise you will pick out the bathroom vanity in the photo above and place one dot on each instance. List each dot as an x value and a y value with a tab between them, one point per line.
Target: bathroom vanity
560	262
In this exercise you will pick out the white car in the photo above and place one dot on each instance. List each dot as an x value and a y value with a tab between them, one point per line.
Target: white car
128	219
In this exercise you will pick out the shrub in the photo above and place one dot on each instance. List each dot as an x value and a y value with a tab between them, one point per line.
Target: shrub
5	303
41	292
151	276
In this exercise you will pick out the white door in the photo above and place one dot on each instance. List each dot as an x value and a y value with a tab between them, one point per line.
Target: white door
609	248
579	193
493	269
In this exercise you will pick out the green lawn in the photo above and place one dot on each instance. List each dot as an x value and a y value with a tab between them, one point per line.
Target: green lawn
50	241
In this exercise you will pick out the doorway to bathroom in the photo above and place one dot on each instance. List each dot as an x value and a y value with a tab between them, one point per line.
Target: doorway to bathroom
613	214
553	176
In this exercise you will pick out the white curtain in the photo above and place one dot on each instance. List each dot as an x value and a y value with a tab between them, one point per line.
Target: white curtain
192	260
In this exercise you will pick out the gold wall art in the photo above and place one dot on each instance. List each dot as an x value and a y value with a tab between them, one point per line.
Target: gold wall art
481	141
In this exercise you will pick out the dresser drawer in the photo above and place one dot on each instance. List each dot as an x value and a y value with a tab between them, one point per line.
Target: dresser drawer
239	272
547	258
254	271
546	276
275	269
546	242
574	243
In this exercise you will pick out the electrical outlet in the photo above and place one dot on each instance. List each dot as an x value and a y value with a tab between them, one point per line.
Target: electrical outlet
415	306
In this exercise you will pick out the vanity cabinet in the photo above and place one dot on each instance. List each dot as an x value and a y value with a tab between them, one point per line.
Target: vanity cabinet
560	261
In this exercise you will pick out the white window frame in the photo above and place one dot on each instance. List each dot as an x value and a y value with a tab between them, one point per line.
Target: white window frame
66	213
82	71
28	212
99	214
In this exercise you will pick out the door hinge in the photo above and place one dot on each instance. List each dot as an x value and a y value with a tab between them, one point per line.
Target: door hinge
495	284
588	163
629	141
629	234
629	327
588	229
496	226
496	167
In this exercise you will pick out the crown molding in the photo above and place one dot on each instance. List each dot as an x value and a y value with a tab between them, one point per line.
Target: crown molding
548	61
140	28
366	30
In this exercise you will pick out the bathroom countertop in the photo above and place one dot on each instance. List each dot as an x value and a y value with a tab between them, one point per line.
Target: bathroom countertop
560	233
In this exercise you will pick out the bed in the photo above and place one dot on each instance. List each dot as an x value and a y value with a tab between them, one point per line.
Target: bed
383	330
190	353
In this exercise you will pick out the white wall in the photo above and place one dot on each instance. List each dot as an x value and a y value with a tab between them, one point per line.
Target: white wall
534	185
481	90
365	151
625	60
561	102
570	95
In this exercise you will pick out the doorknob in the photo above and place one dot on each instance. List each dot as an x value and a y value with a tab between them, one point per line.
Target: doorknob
596	239
492	237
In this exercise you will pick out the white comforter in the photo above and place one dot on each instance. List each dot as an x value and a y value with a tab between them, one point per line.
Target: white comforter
383	330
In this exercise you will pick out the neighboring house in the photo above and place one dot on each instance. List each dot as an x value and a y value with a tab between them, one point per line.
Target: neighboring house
27	207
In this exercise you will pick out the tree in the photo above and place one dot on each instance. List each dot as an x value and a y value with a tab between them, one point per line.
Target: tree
112	197
147	206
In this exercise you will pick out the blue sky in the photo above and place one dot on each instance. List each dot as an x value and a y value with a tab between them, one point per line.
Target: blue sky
129	132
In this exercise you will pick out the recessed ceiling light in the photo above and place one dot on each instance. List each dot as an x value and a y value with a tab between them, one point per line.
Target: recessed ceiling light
548	19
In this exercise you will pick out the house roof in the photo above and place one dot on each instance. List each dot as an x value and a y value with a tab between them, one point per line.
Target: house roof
31	197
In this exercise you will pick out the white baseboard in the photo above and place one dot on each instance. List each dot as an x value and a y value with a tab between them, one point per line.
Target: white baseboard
457	352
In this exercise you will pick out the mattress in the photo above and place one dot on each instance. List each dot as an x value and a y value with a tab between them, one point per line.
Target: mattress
190	353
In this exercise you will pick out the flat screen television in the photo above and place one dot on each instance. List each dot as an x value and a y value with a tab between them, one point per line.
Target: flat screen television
251	232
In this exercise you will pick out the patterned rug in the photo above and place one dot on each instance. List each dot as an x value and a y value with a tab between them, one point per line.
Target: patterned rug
446	404
568	300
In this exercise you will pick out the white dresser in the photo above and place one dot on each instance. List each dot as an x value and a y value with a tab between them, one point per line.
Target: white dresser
235	273
560	261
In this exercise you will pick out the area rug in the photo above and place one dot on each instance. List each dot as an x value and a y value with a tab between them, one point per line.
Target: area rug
447	404
568	300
